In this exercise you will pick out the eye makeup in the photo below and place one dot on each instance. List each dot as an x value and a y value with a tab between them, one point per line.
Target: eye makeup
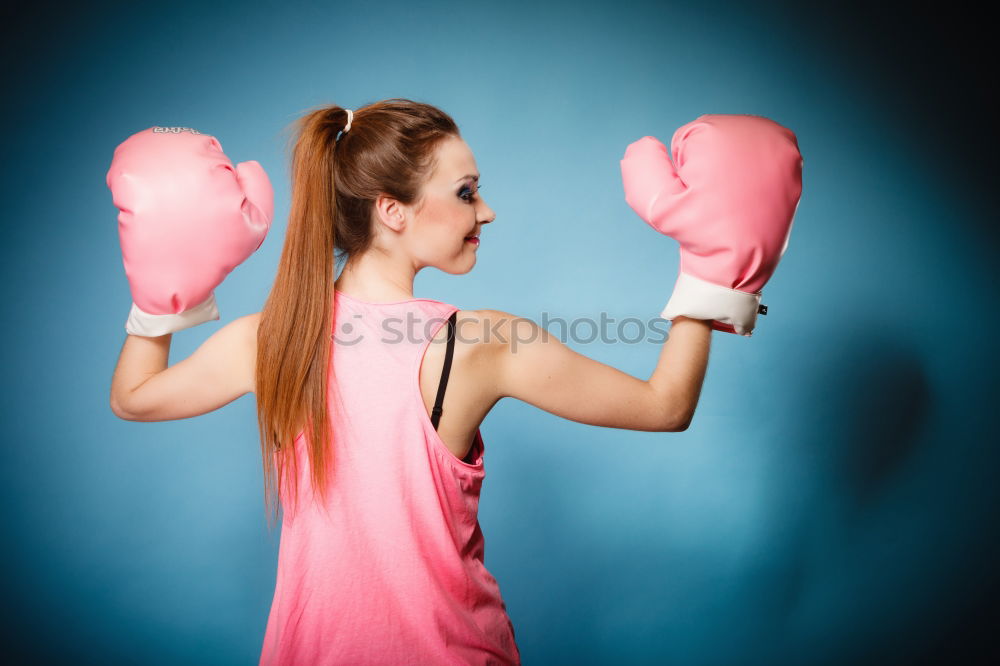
467	193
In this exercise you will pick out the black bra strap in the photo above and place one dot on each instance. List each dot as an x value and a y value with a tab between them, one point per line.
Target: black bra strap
449	351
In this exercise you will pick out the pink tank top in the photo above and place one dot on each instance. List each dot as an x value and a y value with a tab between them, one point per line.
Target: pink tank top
391	570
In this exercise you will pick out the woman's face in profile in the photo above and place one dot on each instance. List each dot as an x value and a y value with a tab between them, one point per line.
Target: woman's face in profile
450	212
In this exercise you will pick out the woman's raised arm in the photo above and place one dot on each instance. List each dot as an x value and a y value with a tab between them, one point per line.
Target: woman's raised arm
219	371
535	366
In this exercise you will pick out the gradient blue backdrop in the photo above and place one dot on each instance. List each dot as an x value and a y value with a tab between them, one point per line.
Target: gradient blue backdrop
834	501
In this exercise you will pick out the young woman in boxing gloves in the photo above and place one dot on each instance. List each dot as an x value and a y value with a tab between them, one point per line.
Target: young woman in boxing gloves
377	467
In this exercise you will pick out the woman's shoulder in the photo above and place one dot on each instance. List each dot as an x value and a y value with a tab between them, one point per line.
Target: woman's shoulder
250	323
248	326
493	329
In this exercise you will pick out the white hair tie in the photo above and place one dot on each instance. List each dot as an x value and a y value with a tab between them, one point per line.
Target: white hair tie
350	117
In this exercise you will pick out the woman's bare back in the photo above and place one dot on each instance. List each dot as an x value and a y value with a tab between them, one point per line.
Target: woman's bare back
470	393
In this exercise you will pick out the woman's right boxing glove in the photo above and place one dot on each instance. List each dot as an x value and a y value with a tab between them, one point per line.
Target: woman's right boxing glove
728	198
186	218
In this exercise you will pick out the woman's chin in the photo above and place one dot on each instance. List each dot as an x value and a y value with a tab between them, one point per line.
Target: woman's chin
459	267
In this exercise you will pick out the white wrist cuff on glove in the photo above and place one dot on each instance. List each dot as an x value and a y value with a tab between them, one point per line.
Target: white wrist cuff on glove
700	299
150	325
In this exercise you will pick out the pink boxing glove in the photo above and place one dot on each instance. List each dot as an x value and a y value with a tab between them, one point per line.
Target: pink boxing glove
728	199
187	218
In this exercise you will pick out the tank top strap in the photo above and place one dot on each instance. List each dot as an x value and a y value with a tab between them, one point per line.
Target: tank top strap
445	371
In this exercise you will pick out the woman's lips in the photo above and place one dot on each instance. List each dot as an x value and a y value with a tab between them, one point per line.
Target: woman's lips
472	239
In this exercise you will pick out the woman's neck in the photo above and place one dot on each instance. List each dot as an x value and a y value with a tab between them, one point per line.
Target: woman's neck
376	278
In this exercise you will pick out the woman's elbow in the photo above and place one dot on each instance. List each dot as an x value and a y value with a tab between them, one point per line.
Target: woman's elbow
678	423
121	412
117	411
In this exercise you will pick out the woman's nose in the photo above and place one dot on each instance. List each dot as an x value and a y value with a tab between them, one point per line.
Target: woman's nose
486	214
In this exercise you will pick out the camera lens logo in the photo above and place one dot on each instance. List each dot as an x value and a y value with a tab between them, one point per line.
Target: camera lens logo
347	334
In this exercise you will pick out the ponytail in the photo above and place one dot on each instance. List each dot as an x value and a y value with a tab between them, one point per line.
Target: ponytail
335	181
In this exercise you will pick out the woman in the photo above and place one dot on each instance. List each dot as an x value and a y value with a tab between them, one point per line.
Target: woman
378	468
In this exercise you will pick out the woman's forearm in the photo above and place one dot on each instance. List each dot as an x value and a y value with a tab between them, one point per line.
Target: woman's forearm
141	358
680	372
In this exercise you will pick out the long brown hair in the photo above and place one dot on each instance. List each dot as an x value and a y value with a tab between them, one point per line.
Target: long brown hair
389	149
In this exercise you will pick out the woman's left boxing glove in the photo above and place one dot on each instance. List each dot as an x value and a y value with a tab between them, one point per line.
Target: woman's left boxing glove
728	198
187	217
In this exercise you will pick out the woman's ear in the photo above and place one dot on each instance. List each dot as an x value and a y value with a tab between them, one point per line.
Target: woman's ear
390	212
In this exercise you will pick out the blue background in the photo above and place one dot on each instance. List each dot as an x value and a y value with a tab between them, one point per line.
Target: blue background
835	500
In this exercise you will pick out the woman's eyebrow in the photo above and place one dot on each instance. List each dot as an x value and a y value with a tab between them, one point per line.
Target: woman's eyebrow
474	177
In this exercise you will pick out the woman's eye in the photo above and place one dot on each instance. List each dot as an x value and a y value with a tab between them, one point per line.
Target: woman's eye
467	193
